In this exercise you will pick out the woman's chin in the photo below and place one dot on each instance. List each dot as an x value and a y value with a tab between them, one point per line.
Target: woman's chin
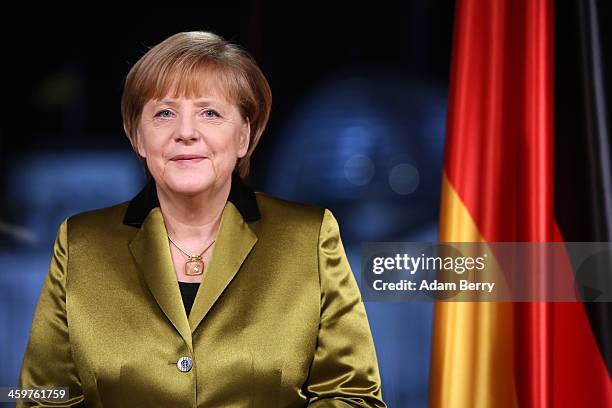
187	186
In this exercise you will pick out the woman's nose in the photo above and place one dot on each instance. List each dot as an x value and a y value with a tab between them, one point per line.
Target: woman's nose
187	129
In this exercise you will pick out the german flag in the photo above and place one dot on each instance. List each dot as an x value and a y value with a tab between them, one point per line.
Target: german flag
527	160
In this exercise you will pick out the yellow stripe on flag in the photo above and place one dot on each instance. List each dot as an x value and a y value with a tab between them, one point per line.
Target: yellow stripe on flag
472	350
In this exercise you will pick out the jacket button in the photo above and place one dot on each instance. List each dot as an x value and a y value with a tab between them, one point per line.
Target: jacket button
184	364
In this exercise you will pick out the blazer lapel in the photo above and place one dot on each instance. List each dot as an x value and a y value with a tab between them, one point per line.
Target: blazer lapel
235	241
152	254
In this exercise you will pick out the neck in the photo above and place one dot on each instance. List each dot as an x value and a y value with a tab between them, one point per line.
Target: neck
193	218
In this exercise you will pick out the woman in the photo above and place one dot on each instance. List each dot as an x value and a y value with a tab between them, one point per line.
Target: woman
199	292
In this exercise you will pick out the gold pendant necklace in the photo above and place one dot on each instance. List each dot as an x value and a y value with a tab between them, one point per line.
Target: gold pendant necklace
195	263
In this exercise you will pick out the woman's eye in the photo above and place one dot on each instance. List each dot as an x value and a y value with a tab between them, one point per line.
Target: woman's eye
210	114
165	114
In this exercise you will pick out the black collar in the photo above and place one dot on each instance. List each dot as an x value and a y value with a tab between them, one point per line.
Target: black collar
241	195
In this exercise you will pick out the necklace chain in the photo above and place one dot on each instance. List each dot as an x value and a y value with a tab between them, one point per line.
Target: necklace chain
190	257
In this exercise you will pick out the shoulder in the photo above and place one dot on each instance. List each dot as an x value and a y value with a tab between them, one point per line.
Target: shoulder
274	212
113	213
99	220
279	211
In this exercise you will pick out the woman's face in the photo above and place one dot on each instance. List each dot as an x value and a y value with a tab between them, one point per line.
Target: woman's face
191	145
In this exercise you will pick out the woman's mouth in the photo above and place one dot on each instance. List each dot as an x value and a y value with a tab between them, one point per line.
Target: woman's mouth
187	159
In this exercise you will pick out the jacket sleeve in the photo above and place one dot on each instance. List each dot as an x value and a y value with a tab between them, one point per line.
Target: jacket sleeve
344	372
48	359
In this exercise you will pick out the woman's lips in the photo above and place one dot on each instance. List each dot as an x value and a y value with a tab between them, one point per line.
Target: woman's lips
187	158
194	160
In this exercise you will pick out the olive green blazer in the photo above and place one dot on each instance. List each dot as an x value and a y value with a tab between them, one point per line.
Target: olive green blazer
278	320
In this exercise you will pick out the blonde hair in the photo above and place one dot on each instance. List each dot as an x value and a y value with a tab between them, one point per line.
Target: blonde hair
188	63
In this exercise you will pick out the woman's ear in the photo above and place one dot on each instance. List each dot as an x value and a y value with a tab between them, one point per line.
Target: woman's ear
139	145
245	136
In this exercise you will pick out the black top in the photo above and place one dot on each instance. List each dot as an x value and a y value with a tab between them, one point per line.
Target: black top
188	293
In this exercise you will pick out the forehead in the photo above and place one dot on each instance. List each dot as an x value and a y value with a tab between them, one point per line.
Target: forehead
204	82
